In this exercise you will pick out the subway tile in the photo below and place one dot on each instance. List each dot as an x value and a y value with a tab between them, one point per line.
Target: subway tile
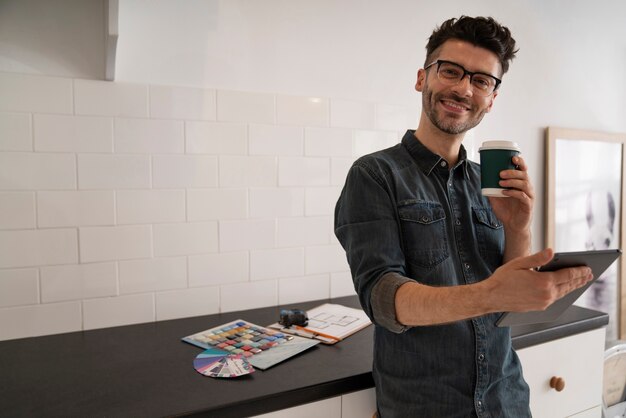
393	117
321	200
153	274
187	302
17	210
107	98
216	138
38	247
101	171
36	320
150	206
303	289
149	136
19	287
302	111
303	171
293	232
34	171
246	235
237	106
117	311
276	263
236	297
275	140
34	93
115	243
185	238
182	103
184	171
339	168
61	133
75	208
352	114
327	142
235	171
325	259
276	202
366	142
216	269
15	132
80	281
341	284
216	204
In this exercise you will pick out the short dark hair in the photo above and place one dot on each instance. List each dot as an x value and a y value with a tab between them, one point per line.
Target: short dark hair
484	32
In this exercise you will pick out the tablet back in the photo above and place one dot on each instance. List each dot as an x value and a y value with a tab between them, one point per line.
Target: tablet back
599	261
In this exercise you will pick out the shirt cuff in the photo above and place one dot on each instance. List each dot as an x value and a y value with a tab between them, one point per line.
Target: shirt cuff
383	300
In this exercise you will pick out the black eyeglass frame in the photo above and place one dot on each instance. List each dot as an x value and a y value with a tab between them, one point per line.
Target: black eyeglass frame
465	72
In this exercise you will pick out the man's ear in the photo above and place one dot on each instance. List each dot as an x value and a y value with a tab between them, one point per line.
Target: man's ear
421	79
493	97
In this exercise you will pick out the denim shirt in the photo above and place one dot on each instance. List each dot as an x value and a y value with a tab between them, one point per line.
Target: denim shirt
405	215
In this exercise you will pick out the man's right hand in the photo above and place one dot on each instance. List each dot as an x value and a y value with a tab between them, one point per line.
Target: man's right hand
518	287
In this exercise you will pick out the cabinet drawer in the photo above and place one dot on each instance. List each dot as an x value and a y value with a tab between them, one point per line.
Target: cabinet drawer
578	360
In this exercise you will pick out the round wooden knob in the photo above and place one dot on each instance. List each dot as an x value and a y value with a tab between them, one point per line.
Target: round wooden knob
557	383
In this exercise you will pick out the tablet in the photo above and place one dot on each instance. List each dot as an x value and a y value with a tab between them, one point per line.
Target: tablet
599	261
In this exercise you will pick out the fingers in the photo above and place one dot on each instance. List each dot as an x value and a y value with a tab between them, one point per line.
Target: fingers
517	179
573	276
534	260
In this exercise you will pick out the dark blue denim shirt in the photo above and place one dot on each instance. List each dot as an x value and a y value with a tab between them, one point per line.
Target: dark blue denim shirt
405	215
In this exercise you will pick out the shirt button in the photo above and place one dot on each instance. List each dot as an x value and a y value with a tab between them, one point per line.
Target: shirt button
450	184
458	222
481	357
480	404
443	163
467	266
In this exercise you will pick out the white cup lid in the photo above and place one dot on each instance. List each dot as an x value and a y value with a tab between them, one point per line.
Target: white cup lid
508	145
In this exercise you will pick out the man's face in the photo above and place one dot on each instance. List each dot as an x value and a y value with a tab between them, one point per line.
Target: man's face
457	109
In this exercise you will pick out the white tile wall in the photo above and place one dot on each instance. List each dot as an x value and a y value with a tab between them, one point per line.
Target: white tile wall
216	138
60	133
75	208
302	111
81	281
15	132
19	287
152	274
127	203
182	103
17	210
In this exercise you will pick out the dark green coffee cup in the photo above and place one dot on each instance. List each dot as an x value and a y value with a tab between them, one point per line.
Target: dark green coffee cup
495	156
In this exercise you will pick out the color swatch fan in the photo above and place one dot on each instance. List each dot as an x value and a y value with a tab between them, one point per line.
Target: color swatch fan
217	363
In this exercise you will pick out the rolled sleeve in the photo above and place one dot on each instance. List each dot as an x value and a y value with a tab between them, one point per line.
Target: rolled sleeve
384	301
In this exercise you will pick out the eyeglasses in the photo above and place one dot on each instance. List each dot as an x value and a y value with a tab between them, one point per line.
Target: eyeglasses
451	73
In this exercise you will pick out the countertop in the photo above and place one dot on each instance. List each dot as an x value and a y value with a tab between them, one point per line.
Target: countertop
146	370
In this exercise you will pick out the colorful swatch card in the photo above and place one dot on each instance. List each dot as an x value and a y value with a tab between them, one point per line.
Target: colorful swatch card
216	363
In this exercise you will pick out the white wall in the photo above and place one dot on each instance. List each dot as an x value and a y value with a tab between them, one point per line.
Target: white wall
143	200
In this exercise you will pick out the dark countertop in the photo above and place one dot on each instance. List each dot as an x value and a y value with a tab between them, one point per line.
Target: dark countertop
145	370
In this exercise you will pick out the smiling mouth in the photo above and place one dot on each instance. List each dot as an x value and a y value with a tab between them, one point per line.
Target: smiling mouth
454	106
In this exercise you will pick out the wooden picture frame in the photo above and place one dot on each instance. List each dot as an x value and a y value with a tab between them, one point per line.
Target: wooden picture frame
584	209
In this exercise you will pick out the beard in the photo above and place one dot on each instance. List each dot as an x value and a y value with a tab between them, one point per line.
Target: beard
445	124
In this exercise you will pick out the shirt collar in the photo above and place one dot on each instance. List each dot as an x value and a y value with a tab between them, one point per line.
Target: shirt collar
427	160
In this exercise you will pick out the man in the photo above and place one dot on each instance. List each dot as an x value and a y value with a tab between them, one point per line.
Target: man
433	261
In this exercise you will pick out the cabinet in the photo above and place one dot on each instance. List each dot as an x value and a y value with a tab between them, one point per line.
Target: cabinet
352	405
578	361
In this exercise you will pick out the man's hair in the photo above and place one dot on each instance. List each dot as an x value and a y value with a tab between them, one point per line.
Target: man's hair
483	32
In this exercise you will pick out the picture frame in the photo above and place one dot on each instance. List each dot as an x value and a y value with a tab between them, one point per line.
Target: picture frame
584	209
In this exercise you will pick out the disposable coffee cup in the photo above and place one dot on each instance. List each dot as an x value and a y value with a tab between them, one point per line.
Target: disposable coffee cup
495	156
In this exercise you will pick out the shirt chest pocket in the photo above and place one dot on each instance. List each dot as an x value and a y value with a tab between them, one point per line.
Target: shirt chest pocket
489	234
423	233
